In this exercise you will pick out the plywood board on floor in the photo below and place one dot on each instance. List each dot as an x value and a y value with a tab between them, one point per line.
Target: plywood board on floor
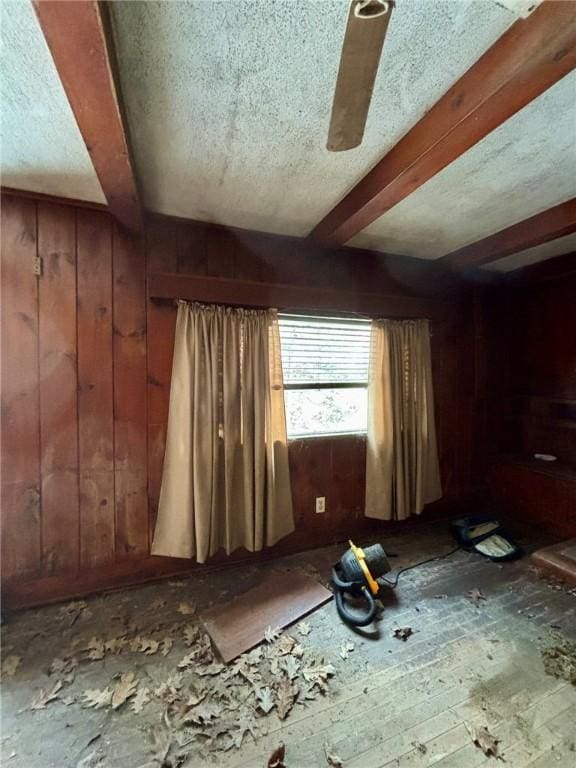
281	599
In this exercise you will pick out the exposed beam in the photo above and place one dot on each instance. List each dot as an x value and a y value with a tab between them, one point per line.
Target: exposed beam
532	55
78	36
560	267
549	225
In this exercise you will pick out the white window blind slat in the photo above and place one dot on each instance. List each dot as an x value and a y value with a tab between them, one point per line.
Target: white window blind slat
318	350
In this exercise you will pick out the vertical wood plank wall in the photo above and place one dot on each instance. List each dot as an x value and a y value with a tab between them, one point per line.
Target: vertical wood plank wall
86	366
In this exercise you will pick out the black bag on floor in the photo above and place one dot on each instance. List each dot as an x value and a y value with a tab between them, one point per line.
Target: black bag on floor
486	536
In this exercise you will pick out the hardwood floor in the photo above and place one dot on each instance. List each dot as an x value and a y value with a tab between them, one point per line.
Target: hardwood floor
390	703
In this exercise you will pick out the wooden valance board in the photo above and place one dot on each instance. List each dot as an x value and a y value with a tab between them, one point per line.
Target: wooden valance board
246	293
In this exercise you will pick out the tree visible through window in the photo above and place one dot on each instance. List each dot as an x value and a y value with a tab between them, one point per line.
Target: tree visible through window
325	363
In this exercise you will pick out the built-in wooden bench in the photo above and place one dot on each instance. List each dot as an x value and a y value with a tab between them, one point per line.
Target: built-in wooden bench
536	492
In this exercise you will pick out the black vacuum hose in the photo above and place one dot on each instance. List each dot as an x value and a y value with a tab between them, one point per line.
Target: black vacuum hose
353	617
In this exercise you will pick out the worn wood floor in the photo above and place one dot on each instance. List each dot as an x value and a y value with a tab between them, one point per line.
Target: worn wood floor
389	703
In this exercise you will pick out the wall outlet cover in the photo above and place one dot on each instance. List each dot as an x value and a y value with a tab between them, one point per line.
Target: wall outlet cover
320	504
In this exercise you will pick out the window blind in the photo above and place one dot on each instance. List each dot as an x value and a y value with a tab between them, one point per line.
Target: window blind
324	350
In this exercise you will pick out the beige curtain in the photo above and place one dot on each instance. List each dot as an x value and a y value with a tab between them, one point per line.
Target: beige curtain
225	481
402	472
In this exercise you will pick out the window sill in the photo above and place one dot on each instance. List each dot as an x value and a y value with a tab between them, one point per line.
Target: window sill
321	436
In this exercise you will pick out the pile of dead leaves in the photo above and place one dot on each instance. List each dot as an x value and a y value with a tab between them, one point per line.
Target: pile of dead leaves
559	659
204	706
214	707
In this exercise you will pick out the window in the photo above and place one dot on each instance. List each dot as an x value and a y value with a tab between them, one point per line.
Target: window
325	364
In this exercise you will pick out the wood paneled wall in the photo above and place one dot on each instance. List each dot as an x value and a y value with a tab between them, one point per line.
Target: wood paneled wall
74	482
86	364
530	407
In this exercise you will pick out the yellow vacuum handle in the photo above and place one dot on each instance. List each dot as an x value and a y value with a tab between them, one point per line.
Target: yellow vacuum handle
361	557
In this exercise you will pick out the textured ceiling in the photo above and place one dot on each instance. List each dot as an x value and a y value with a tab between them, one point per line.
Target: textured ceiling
229	103
533	255
524	167
42	149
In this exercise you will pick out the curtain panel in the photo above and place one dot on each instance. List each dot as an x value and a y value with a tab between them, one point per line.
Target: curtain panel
402	471
225	481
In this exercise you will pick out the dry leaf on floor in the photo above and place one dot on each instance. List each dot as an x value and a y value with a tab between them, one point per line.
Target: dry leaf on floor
333	760
115	644
243	668
272	634
483	739
141	698
298	650
346	649
169	690
10	664
253	656
304	628
284	645
317	674
191	634
403	633
246	725
196	697
65	669
475	596
202	651
157	604
187	661
276	759
97	699
307	692
124	689
265	700
149	646
166	646
290	666
419	747
212	669
186	609
73	610
285	696
43	697
96	649
135	643
203	713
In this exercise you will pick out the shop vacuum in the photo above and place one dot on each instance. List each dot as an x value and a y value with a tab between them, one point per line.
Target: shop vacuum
356	574
359	574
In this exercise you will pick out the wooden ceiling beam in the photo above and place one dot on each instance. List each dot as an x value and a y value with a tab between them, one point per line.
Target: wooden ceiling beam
79	39
539	229
531	56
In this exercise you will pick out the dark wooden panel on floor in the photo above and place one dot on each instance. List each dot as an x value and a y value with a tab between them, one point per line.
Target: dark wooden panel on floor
95	384
280	599
21	525
130	396
58	388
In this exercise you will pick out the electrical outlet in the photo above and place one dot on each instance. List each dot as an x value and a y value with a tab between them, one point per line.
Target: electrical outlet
37	266
320	504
